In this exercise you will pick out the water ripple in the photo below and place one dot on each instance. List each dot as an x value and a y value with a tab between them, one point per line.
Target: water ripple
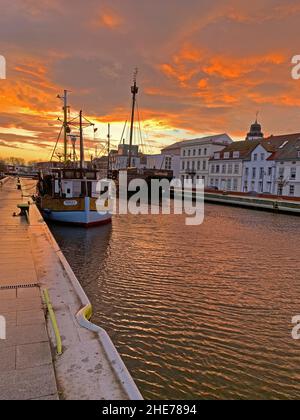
202	312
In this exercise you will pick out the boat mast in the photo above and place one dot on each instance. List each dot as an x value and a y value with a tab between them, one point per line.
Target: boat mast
65	98
108	151
81	141
134	91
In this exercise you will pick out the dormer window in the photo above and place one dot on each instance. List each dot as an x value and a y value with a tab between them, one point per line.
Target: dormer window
226	155
283	144
236	155
217	155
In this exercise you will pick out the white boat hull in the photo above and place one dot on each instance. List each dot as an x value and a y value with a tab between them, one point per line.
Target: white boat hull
85	218
79	218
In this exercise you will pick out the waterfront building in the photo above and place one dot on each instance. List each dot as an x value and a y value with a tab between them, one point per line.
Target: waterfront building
101	165
259	169
195	155
119	159
286	161
165	161
266	166
226	167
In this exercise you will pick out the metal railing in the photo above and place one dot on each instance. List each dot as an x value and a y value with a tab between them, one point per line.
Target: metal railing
52	316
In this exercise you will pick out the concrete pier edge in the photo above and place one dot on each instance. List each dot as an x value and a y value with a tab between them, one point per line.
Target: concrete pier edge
84	315
4	180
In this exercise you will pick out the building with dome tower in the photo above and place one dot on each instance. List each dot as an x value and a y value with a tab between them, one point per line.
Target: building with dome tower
255	132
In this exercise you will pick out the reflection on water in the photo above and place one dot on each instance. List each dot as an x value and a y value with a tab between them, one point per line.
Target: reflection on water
197	312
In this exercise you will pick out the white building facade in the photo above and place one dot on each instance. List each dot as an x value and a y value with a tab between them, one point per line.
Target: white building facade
259	172
269	166
165	161
195	155
120	159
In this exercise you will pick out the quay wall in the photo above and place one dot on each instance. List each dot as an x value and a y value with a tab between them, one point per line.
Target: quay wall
276	205
83	318
90	367
272	205
4	180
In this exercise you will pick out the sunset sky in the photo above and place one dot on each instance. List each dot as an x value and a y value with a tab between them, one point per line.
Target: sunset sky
204	67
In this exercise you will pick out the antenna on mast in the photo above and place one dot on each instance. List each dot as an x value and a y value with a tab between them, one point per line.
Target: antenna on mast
65	123
257	113
108	151
134	91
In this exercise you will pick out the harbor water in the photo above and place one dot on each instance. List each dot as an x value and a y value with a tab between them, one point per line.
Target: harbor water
196	312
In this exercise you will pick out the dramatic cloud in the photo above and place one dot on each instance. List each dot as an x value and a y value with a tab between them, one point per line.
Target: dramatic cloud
204	67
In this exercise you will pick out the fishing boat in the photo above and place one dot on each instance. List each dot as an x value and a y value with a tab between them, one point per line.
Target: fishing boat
70	194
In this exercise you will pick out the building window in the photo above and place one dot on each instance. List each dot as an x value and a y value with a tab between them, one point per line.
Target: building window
204	165
255	157
184	153
236	155
254	173
226	155
194	152
230	168
205	152
281	172
213	169
188	165
223	169
212	182
235	185
236	169
228	184
193	166
293	173
262	156
247	172
217	169
199	152
189	153
168	163
270	171
183	165
199	165
292	190
261	173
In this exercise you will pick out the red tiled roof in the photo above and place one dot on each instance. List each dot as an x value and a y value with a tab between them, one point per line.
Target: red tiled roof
245	148
283	147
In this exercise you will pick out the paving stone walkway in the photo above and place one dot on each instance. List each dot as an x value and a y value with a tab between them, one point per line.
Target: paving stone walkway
26	368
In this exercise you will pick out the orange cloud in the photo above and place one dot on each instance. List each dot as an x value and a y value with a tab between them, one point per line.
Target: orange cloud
203	83
180	74
108	19
232	67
